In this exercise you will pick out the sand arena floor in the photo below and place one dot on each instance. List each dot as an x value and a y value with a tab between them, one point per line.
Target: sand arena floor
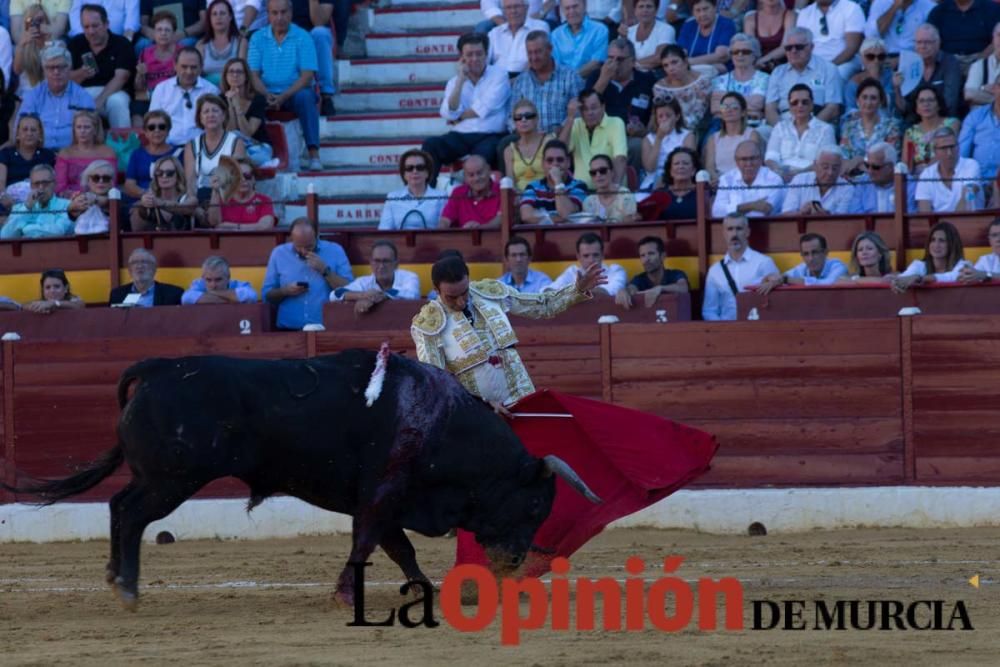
266	603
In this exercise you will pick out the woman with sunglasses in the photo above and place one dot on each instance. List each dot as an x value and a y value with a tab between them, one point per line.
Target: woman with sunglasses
867	125
794	143
247	209
870	261
27	63
16	161
417	205
55	294
610	202
691	89
668	132
943	260
874	65
166	206
523	158
139	173
744	79
221	41
87	146
247	110
720	147
930	109
89	206
768	24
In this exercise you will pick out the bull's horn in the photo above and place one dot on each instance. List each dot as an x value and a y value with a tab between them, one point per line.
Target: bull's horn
556	465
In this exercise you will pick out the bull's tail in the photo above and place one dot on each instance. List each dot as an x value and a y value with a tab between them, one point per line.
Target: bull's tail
135	372
52	491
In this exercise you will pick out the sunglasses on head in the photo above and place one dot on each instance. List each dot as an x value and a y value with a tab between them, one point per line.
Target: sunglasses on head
154	127
876	56
527	115
101	178
795	47
415	167
599	170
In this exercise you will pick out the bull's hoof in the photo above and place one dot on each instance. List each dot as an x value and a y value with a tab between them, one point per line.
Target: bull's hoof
127	597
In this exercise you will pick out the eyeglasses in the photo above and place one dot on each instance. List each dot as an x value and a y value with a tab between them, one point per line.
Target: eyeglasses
187	99
166	172
528	115
555	160
56	68
142	262
949	147
415	167
795	47
599	170
42	184
799	103
156	127
740	52
824	29
876	56
869	165
247	175
101	178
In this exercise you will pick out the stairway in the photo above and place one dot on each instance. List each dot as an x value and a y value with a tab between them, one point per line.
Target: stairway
387	104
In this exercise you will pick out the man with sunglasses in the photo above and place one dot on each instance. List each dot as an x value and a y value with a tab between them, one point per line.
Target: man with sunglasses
838	26
804	67
896	22
42	214
875	191
558	195
56	100
178	97
950	183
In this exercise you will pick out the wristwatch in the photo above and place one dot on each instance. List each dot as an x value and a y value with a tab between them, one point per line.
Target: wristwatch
326	272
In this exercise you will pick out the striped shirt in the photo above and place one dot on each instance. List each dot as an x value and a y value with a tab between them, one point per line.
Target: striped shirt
550	97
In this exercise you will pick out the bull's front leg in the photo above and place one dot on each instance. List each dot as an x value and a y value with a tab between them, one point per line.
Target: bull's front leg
365	535
399	548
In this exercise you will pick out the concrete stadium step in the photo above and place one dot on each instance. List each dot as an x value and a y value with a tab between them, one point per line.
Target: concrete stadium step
350	182
424	97
389	71
421	16
381	125
370	152
345	211
403	44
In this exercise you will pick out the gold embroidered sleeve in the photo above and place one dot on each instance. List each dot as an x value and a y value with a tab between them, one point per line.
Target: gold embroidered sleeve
545	305
429	350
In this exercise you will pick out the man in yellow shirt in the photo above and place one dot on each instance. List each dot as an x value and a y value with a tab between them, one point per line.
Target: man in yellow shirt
594	133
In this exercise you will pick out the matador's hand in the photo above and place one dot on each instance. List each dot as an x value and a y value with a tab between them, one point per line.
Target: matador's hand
501	410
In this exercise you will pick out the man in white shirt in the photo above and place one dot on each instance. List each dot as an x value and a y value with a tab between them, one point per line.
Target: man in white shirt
895	22
475	106
386	281
741	267
179	96
987	267
751	189
951	183
507	48
822	191
590	251
838	26
804	67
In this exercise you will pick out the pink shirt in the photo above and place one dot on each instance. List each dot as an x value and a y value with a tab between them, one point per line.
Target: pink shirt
70	169
462	208
248	213
157	70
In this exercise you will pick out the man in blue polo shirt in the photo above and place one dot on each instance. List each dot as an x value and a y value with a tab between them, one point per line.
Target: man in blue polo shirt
56	99
579	43
300	275
282	60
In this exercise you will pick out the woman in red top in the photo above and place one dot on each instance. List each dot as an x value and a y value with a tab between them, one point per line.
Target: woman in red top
246	209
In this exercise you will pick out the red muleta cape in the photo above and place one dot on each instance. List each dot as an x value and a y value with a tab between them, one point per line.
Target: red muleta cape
630	459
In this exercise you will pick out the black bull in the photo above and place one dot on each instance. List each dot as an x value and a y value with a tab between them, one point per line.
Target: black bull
427	456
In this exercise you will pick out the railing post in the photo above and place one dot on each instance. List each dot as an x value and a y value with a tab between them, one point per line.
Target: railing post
899	216
114	236
704	229
906	398
607	388
7	396
507	195
312	206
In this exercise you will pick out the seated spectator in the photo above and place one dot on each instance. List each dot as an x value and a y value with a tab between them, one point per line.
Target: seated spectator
282	58
386	281
122	17
416	206
838	28
655	278
896	22
558	195
523	158
221	42
676	200
941	71
594	133
648	35
590	251
103	63
965	27
984	72
952	182
580	43
89	207
17	160
300	275
720	147
139	174
822	190
987	268
42	214
55	294
179	96
751	189
156	63
870	260
216	285
246	209
506	41
980	136
867	125
874	65
943	260
549	85
56	16
669	132
705	36
792	147
145	291
768	24
691	89
247	111
744	79
474	105
627	93
917	139
166	206
201	155
475	203
57	99
817	268
804	68
188	30
87	146
610	202
315	18
741	268
27	63
520	275
875	191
